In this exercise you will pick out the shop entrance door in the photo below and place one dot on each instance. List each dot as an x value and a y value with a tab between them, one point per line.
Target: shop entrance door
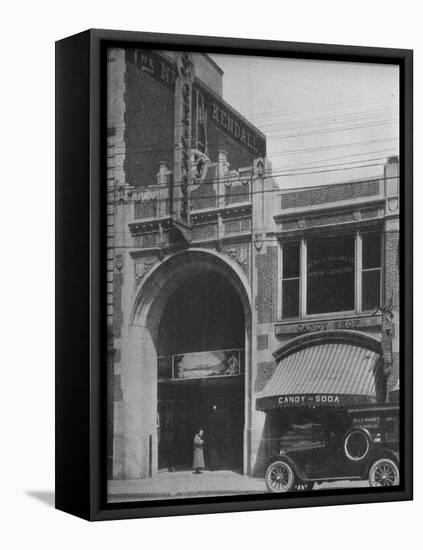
216	406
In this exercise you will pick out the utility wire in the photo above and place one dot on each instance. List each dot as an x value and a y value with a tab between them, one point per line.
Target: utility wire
153	148
250	193
271	174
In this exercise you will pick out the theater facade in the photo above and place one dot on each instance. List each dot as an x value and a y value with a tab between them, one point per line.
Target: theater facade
231	298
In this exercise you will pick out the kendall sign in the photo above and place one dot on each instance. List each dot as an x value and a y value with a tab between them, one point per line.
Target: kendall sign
221	115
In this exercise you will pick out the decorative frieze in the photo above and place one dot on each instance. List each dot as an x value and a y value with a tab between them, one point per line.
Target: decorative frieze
328	220
237	225
204	231
146	240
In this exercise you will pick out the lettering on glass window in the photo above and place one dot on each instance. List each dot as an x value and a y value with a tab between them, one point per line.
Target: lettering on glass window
330	274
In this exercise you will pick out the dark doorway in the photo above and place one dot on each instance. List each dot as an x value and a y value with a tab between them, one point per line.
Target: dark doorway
204	314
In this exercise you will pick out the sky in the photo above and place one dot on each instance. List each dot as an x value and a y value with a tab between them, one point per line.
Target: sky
339	120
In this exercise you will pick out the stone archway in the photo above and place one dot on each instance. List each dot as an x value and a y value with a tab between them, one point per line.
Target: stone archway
139	352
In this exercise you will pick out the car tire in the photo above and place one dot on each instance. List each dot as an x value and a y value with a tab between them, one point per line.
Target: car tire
384	473
280	477
357	444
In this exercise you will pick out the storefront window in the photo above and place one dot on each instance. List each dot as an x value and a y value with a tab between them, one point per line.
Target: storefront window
291	280
330	274
371	270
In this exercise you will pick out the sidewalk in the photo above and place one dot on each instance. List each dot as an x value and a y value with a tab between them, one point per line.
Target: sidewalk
186	484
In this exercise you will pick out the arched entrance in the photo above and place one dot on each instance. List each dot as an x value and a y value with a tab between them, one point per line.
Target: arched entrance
191	315
201	343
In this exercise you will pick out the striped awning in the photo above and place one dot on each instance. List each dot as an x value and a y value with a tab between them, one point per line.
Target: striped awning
325	374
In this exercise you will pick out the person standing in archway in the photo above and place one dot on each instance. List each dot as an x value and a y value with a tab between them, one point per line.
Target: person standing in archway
198	458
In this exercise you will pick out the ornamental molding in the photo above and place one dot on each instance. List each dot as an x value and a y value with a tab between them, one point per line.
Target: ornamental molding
239	254
119	262
142	267
258	241
393	204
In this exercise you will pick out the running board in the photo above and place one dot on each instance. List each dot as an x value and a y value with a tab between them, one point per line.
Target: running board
352	478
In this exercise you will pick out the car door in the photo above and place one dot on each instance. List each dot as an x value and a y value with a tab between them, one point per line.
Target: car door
311	455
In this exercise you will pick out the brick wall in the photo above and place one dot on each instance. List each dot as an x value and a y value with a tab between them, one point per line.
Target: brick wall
262	342
392	268
145	209
334	193
267	284
204	197
264	373
237	193
149	125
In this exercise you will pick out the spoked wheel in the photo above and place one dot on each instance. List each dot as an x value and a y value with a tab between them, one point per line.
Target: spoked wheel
279	477
303	485
384	473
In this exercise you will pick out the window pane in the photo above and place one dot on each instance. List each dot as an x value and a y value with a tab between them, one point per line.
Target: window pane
371	250
290	298
330	274
371	289
291	260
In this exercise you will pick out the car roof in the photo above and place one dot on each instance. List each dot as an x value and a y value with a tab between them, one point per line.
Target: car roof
376	407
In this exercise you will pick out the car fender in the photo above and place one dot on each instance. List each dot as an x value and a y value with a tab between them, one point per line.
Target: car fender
381	452
296	468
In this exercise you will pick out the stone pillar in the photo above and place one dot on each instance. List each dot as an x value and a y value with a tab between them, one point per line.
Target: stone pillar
115	256
391	299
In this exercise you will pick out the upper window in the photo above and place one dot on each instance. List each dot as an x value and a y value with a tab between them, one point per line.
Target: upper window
371	270
291	280
330	274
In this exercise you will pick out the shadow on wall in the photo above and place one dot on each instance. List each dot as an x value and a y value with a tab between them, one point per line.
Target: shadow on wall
264	450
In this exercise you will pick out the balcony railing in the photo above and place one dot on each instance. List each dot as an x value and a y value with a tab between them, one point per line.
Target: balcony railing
201	364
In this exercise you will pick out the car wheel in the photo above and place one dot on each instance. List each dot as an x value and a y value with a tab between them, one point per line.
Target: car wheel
383	473
279	477
303	485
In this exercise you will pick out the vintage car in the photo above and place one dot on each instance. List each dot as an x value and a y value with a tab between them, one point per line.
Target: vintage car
359	443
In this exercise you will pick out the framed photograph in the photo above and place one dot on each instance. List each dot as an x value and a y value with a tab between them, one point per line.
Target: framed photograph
234	274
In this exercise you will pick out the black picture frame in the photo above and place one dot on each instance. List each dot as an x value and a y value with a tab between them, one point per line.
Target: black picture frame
80	285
